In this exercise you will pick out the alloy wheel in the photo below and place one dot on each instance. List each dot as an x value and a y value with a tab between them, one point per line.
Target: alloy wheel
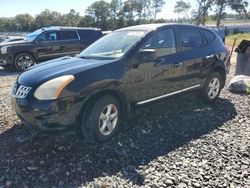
213	88
108	119
24	62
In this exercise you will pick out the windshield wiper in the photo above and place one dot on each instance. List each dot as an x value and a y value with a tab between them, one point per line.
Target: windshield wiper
86	57
109	53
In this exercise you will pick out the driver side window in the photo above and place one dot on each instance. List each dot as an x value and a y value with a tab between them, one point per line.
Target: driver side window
163	42
48	36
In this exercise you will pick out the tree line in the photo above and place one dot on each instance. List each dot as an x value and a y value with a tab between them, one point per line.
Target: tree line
219	7
121	13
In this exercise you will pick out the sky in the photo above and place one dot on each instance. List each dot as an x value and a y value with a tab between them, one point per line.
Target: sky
10	8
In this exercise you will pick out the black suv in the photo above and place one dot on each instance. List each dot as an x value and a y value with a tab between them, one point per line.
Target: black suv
46	43
125	69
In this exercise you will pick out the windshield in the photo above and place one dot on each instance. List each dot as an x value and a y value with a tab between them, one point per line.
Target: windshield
32	36
113	45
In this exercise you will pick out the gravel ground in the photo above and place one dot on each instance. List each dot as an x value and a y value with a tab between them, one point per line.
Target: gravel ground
178	143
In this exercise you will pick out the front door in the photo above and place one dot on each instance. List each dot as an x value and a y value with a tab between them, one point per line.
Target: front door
48	46
152	80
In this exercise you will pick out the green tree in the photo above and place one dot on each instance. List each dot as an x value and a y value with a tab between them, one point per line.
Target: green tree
116	19
48	18
87	21
24	22
99	11
182	7
73	18
201	13
4	24
132	11
157	6
237	5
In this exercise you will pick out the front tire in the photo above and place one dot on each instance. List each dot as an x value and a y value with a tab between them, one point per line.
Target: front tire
212	88
102	121
24	61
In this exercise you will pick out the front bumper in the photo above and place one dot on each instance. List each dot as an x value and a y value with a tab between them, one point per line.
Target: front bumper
55	115
5	60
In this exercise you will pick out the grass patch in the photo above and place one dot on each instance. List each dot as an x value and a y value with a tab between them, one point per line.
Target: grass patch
230	38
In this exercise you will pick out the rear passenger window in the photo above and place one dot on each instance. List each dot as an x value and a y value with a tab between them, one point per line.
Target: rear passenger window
209	36
162	41
68	35
190	39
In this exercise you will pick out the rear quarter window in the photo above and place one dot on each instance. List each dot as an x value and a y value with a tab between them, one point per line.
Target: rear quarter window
68	35
209	36
89	35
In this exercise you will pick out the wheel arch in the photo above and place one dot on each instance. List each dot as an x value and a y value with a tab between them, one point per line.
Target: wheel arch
24	52
219	67
91	99
19	53
222	72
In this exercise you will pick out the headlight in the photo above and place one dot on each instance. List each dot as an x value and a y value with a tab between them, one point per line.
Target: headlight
4	50
52	88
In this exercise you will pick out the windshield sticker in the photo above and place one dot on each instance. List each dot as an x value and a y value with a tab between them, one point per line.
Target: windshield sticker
135	33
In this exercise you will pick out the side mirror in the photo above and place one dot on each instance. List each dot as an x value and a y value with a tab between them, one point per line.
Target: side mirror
147	55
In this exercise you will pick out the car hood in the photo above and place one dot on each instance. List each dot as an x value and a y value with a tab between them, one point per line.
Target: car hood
58	67
20	42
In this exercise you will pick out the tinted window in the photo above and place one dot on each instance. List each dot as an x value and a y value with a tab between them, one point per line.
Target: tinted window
88	35
49	36
190	38
68	35
162	41
209	36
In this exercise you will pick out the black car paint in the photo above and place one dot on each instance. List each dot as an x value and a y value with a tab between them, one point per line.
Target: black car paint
121	77
42	51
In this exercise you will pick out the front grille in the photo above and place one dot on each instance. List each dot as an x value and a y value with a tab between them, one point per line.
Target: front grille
20	91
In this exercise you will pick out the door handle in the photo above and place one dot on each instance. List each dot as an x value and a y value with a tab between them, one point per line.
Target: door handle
177	64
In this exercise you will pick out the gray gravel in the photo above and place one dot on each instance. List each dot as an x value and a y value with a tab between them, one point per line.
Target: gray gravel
178	143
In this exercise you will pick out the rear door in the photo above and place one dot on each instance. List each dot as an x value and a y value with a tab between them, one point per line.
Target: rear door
69	42
191	55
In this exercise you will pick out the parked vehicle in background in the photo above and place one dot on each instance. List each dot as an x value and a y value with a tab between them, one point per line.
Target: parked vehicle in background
12	39
2	38
127	68
106	32
46	43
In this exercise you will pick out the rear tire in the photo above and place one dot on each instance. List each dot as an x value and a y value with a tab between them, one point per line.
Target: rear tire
101	121
212	88
24	61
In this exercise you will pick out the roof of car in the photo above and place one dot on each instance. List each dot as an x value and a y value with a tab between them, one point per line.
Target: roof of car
149	27
68	28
